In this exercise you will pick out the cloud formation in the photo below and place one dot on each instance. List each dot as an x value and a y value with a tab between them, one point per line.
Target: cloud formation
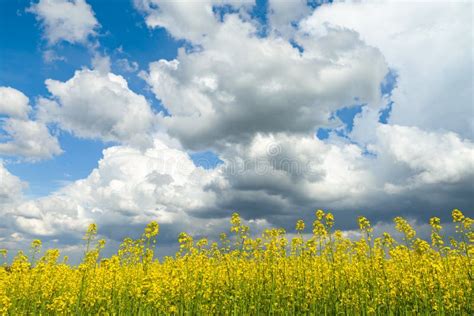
257	100
29	139
13	103
11	188
431	157
280	177
430	51
240	85
284	15
128	188
243	94
20	136
194	21
63	20
99	105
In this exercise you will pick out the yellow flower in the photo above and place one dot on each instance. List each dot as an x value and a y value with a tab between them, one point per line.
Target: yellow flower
152	229
457	215
268	274
363	223
329	220
36	244
319	214
91	231
403	226
300	225
435	223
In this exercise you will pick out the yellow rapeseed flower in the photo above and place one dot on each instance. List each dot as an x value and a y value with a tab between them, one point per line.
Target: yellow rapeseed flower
326	273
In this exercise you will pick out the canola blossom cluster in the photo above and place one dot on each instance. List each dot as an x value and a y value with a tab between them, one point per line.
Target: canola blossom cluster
309	274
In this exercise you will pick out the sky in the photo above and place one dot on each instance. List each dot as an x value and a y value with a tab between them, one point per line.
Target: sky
122	112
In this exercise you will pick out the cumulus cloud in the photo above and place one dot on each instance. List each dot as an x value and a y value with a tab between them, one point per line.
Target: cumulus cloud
283	15
21	136
127	66
240	85
127	189
29	139
11	188
13	103
63	20
98	104
431	157
430	51
298	167
241	94
11	194
193	20
410	172
278	177
101	63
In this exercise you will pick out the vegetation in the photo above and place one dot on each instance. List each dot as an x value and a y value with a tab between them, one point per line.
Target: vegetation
325	273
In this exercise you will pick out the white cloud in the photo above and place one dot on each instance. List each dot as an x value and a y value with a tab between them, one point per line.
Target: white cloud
433	158
20	135
127	66
283	13
192	20
430	48
50	56
101	63
72	21
129	187
13	103
29	139
297	167
11	187
97	104
240	85
240	94
280	177
11	194
272	180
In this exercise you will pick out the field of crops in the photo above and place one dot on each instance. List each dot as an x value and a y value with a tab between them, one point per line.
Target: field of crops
242	275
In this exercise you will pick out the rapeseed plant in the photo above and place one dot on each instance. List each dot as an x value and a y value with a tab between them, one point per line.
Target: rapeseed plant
325	273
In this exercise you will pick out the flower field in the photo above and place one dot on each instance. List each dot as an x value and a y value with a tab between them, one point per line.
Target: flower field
325	273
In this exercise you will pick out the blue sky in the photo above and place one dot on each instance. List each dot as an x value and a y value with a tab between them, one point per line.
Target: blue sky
121	112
